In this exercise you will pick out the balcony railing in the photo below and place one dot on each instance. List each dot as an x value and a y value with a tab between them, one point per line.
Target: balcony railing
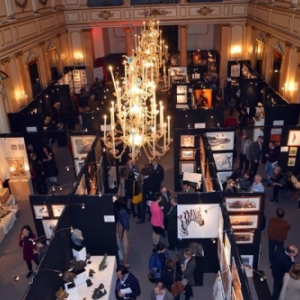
100	3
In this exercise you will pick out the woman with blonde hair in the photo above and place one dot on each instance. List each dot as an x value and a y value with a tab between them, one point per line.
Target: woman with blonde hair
291	284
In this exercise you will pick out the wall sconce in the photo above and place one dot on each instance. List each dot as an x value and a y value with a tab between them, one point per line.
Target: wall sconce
78	58
21	98
236	52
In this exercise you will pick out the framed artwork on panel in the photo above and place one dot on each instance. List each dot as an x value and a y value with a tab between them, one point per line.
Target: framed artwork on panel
81	145
77	78
175	59
16	167
244	221
181	89
77	85
235	70
291	161
187	166
78	165
41	211
76	72
221	141
243	204
247	261
294	138
49	227
187	154
227	249
187	141
223	161
244	237
181	99
57	210
218	289
83	80
293	151
82	73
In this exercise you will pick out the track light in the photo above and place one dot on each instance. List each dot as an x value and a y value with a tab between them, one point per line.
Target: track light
82	206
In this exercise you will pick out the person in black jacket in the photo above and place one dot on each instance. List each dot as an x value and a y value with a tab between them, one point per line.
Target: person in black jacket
284	259
172	224
165	203
37	175
132	189
255	154
127	281
158	173
149	185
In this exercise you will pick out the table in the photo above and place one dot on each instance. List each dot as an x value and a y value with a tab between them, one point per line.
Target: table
21	188
6	224
107	277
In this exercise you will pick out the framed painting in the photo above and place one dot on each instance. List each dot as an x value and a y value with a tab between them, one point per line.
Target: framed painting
291	161
76	72
294	138
247	261
181	89
221	141
222	177
175	59
41	211
77	85
235	70
181	99
221	225
57	210
16	167
83	73
293	151
244	237
197	221
203	98
79	163
83	80
187	141
81	145
227	249
244	221
236	282
218	289
226	278
77	78
187	154
49	227
243	204
220	253
223	161
187	167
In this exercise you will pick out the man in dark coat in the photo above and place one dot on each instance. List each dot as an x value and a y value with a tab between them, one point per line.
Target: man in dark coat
158	173
127	286
172	224
284	259
255	155
165	203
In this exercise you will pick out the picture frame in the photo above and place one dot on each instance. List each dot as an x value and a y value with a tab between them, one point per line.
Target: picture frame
221	225
291	161
221	141
49	227
247	261
223	161
181	89
235	70
243	204
57	210
175	59
187	154
83	73
187	141
293	151
220	253
81	145
76	78
294	138
13	147
181	99
244	221
41	211
78	163
244	237
227	249
218	289
75	72
236	282
84	80
77	84
189	166
223	177
16	167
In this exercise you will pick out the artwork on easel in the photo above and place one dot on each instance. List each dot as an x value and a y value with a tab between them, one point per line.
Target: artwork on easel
221	141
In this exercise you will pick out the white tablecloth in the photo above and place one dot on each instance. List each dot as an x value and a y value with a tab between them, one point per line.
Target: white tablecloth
8	222
107	277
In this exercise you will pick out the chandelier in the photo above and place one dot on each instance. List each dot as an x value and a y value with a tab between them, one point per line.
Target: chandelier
140	123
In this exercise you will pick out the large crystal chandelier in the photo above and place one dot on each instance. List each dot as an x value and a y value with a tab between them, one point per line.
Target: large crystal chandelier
140	123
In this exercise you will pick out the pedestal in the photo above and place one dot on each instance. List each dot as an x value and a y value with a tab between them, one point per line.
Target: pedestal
21	188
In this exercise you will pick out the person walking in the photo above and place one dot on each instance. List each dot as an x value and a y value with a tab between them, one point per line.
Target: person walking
132	189
172	224
157	219
127	285
291	284
272	159
255	154
283	261
26	242
277	232
165	204
158	173
160	292
278	182
245	153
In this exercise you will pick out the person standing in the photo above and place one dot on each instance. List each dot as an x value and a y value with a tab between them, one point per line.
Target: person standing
26	241
277	232
37	175
186	187
227	92
278	182
157	219
127	285
283	261
132	189
231	121
188	268
245	153
165	203
172	224
160	292
158	173
272	159
291	284
256	154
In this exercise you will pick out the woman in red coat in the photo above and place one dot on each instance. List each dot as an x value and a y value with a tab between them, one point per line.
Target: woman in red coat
26	241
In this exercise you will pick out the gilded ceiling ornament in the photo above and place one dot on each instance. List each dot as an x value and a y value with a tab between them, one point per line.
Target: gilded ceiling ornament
43	2
155	12
205	10
21	3
105	14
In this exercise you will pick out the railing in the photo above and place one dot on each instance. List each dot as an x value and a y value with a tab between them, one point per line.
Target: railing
100	3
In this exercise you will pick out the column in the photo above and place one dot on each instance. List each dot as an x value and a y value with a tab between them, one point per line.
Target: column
86	37
127	31
253	55
183	45
10	14
45	73
297	76
34	7
9	91
59	51
284	72
267	59
225	49
53	5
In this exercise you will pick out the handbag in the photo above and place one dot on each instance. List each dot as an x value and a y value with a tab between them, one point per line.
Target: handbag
178	286
136	199
154	275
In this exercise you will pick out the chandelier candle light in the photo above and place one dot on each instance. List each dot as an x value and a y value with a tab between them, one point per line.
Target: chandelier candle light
139	122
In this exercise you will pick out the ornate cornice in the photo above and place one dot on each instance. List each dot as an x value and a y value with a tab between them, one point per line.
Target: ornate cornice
19	54
205	10
105	14
5	60
21	3
155	12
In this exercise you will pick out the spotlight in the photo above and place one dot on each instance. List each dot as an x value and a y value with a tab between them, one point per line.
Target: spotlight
67	168
71	229
60	188
83	206
16	278
213	241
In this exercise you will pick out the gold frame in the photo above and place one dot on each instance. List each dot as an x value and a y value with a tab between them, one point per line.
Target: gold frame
187	154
